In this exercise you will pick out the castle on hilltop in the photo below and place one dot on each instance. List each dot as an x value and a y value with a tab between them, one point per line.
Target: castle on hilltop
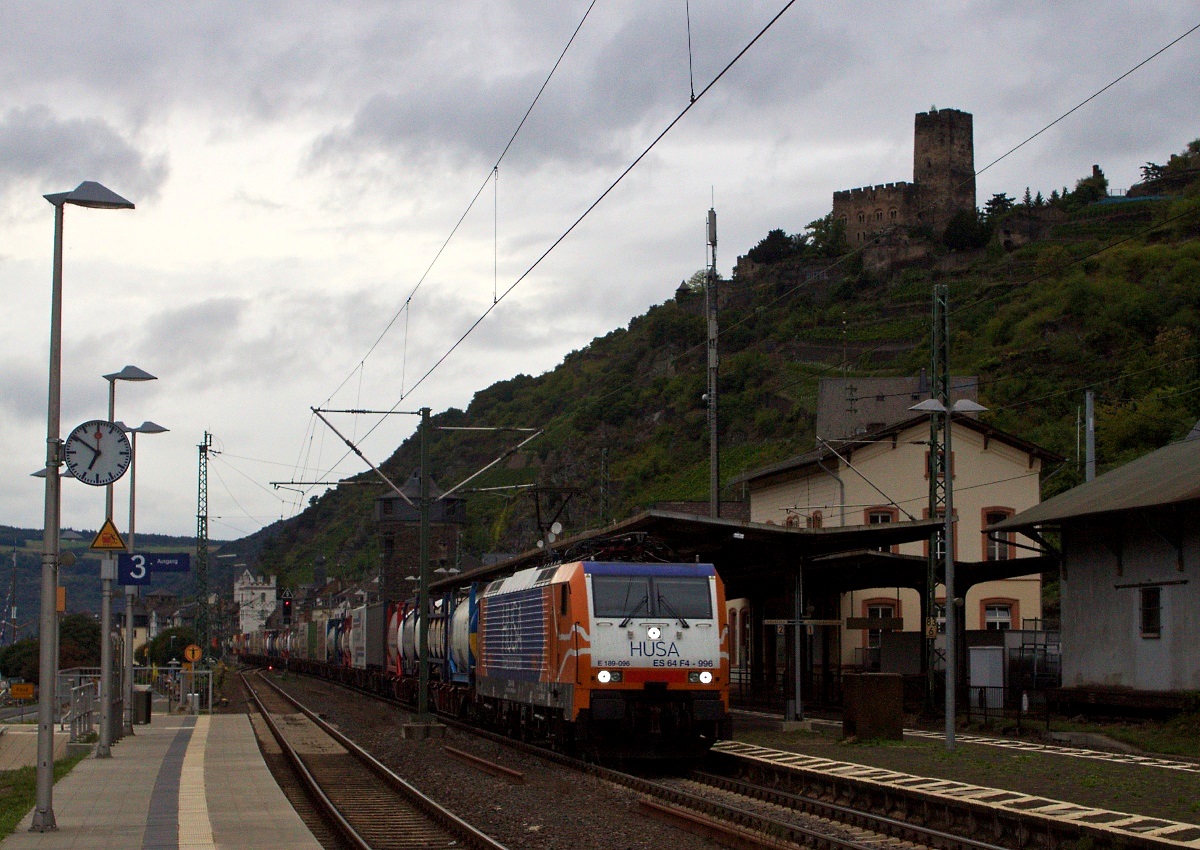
943	182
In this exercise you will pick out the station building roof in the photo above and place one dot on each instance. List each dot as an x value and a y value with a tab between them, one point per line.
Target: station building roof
785	468
1168	476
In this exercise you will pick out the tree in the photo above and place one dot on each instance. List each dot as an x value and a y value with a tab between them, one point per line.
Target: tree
775	247
828	237
966	231
997	206
1152	171
79	641
1088	190
1027	199
169	645
20	660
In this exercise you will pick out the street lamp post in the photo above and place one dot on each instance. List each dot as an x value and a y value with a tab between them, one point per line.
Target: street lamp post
932	406
131	591
95	196
108	574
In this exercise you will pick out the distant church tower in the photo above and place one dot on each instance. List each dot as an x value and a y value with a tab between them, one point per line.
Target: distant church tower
944	164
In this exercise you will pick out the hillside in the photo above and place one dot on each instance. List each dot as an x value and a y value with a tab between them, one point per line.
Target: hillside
22	548
1047	299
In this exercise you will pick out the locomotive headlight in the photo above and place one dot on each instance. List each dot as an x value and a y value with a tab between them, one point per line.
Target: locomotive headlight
706	678
700	678
654	633
604	677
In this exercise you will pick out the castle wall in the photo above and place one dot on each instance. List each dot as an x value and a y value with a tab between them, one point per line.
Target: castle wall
943	182
868	210
944	164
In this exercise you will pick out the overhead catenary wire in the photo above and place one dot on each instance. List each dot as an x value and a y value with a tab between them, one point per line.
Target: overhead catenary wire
620	177
494	170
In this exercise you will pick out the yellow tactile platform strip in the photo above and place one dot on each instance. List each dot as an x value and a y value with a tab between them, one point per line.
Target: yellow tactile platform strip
195	827
1175	833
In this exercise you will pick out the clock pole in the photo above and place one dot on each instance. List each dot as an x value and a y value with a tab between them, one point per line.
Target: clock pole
108	571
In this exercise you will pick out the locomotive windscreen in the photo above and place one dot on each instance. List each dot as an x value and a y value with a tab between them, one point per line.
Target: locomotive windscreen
658	596
620	596
689	598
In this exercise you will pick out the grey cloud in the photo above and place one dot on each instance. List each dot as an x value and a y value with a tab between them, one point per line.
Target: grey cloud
23	390
38	146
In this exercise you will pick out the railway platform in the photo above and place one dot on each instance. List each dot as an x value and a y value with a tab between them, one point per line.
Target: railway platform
179	782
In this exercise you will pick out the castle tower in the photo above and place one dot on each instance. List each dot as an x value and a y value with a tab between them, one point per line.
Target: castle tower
944	165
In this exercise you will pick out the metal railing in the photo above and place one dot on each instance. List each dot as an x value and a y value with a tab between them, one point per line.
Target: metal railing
85	709
1006	706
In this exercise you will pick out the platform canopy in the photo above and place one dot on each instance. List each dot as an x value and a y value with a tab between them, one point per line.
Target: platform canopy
743	552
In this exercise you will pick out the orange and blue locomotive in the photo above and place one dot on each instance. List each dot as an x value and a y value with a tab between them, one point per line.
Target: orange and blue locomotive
612	659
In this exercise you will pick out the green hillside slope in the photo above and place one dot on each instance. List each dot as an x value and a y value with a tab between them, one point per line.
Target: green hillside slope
1060	298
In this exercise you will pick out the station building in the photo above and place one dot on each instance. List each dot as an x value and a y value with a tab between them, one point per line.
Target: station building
1130	556
882	477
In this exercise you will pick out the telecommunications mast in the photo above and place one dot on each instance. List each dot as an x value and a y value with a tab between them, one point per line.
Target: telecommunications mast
710	299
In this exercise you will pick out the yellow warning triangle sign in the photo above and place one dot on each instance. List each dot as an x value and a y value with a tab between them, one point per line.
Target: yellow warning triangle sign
109	539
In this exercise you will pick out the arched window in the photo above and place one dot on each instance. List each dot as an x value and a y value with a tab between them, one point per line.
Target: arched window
862	217
815	520
892	213
879	215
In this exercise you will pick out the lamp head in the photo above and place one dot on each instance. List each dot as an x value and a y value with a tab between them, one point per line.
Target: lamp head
131	373
90	194
929	405
149	427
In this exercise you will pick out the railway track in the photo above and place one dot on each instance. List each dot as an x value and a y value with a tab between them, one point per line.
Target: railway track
370	807
769	799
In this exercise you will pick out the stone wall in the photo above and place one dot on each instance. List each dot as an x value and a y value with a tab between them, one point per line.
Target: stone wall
872	209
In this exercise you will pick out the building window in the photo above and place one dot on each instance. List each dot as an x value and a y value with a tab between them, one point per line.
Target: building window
997	617
880	515
997	545
879	609
892	214
879	215
941	548
815	520
862	217
1151	598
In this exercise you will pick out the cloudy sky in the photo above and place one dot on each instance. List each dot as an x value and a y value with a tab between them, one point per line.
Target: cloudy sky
297	166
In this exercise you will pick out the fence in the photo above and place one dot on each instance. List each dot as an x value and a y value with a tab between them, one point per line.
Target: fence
190	690
1004	706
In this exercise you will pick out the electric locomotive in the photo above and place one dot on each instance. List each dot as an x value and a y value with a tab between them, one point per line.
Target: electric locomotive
611	659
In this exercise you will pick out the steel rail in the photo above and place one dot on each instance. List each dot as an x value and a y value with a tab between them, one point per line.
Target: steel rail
310	783
436	812
844	814
741	820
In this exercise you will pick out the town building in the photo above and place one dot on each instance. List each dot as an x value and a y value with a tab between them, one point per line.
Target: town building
254	596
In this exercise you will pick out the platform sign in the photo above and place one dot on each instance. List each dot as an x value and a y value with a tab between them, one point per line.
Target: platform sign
137	569
22	690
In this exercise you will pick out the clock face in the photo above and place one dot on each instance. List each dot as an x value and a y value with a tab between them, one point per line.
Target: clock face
97	452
